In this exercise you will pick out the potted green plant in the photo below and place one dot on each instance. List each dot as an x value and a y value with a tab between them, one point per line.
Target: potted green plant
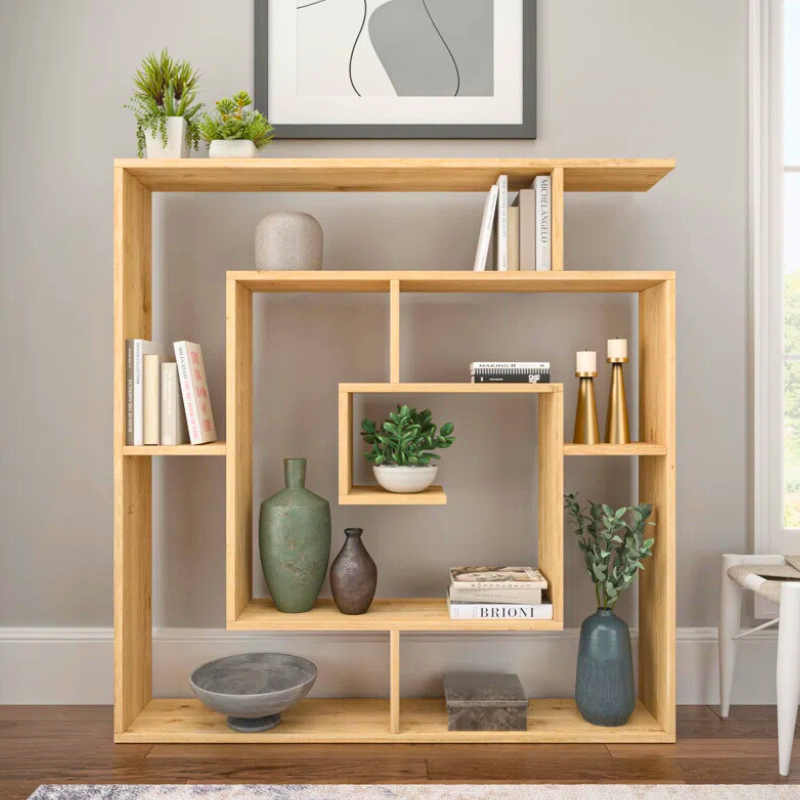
402	449
164	105
233	132
614	547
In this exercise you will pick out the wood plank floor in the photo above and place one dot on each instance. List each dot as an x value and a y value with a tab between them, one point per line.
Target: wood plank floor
72	744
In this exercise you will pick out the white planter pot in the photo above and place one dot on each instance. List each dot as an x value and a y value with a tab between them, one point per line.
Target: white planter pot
232	148
176	140
405	480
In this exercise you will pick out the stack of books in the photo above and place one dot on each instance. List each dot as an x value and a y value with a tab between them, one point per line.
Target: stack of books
167	401
520	228
498	593
509	372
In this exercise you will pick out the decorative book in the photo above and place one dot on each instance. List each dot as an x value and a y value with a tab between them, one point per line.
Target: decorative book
196	401
497	577
510	372
482	610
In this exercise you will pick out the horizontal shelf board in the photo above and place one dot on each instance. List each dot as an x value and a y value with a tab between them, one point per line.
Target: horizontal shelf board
451	388
378	496
631	449
210	449
404	614
433	281
390	174
176	721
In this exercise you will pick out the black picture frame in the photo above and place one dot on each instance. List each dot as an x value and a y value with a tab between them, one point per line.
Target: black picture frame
524	130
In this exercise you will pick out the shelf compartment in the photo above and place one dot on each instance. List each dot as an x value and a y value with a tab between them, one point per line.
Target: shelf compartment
378	496
630	449
448	281
210	449
404	614
187	721
391	174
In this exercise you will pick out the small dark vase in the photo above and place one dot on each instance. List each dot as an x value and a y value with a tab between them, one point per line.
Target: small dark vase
354	575
604	690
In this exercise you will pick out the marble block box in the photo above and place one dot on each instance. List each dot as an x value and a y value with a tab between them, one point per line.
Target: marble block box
485	701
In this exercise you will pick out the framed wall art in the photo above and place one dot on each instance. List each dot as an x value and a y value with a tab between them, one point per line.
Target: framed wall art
374	69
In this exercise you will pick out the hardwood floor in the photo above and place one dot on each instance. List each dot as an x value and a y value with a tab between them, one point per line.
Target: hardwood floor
72	744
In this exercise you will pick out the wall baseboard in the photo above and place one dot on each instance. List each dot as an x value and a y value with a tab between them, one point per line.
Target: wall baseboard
75	665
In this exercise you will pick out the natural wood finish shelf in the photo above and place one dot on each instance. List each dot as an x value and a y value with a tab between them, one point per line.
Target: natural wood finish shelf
448	281
140	718
391	174
631	449
211	449
405	614
368	721
378	496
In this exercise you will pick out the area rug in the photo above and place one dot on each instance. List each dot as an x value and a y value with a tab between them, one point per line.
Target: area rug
420	792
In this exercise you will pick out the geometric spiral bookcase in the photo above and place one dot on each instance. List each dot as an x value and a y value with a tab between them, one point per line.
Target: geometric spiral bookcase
138	717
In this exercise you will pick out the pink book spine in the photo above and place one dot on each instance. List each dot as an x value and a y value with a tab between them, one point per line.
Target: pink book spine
194	387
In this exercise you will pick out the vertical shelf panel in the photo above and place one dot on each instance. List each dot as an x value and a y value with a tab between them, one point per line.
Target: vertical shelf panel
557	219
394	332
551	497
657	616
239	462
345	443
394	681
132	476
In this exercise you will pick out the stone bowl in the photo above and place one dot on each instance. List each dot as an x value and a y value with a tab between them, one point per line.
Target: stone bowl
254	688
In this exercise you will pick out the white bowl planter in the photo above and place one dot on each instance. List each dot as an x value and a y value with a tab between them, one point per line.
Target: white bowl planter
405	480
176	140
232	148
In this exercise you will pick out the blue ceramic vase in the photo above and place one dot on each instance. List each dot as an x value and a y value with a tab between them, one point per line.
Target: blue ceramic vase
604	690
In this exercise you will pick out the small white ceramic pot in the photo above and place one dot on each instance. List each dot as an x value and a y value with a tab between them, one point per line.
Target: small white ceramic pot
405	480
288	240
232	148
176	140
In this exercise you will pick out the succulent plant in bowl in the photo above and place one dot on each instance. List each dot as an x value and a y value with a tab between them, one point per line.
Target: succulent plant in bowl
402	448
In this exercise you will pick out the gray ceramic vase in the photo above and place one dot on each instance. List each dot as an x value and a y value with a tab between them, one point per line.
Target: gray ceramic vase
604	690
354	575
294	536
288	240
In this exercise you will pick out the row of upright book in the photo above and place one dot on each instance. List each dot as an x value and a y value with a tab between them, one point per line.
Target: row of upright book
519	228
167	401
498	593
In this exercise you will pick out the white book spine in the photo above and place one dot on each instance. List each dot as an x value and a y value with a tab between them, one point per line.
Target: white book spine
152	397
141	348
485	236
542	188
501	247
531	597
499	611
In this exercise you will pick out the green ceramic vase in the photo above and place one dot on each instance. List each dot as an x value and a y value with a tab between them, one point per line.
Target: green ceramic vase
294	536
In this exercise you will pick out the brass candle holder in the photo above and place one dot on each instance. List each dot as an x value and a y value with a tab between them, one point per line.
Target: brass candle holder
617	430
587	430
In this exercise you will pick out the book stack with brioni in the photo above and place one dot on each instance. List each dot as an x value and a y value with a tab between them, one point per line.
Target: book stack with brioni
498	593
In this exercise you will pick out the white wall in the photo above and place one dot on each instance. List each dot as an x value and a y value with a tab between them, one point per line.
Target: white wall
618	78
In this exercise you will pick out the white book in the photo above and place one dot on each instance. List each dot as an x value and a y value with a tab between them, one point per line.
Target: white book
513	239
478	365
129	391
152	399
485	236
461	594
541	185
196	400
141	348
499	610
501	228
173	418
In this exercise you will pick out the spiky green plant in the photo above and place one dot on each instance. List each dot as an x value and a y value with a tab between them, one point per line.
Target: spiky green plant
406	438
231	121
613	548
165	87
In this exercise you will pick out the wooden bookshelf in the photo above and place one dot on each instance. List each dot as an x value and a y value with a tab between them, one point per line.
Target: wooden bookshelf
210	449
140	718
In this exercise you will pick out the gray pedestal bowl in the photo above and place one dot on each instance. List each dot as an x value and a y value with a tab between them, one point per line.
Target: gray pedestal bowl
254	688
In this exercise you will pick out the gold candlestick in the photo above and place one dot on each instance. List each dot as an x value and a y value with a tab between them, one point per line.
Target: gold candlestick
617	431
586	428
